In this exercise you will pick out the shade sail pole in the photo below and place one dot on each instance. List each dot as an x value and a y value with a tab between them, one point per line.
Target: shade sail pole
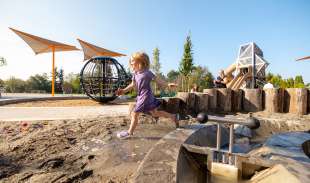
53	81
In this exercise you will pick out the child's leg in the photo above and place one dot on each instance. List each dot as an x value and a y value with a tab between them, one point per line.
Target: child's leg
156	113
134	122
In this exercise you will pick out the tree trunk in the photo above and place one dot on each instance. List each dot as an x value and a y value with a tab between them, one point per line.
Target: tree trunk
171	105
182	84
212	101
187	101
252	100
224	99
201	102
295	101
274	99
236	99
189	82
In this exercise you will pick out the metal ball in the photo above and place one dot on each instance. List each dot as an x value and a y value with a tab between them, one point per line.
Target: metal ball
252	123
202	117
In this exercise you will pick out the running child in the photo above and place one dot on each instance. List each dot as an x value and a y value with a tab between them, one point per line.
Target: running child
145	101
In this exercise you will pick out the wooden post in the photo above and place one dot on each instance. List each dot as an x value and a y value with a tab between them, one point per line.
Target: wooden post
201	102
273	99
171	105
212	101
187	101
308	100
295	100
252	100
224	99
236	99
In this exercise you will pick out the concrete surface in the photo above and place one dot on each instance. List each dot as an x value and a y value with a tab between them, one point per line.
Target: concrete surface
54	113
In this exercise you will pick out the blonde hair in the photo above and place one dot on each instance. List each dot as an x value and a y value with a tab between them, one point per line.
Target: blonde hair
223	74
142	58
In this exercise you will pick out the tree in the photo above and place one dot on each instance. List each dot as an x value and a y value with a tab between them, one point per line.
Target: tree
2	61
172	75
156	66
76	87
38	82
202	77
187	63
1	81
61	76
269	76
17	85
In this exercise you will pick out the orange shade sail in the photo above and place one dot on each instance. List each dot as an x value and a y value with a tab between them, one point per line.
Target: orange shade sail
91	50
40	45
303	58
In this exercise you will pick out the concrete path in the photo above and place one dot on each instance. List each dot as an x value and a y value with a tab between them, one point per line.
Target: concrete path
16	96
54	113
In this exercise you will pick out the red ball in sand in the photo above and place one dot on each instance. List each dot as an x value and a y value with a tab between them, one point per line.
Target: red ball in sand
25	124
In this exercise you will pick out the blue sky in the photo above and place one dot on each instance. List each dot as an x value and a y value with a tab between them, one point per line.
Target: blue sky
218	28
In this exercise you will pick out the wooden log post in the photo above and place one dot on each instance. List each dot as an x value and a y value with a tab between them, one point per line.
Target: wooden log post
273	99
224	99
295	100
212	101
187	101
276	97
171	105
236	99
201	102
308	100
252	100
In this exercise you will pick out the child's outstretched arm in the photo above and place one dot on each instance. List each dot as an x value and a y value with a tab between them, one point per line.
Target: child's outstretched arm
164	83
127	89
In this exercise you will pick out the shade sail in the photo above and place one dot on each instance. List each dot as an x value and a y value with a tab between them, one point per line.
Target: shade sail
41	45
91	50
303	58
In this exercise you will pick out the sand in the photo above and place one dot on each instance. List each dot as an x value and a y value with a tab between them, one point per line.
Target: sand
77	150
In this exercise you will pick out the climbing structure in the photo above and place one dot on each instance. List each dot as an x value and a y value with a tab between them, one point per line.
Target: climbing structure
249	68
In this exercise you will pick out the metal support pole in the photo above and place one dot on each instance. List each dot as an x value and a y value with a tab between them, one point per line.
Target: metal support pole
253	65
53	81
218	145
224	158
231	143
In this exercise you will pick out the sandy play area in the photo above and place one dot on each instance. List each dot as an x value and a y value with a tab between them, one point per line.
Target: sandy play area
76	150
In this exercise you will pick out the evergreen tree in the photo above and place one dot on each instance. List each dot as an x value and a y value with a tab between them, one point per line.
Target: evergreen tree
269	76
291	82
172	75
61	76
156	66
187	63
